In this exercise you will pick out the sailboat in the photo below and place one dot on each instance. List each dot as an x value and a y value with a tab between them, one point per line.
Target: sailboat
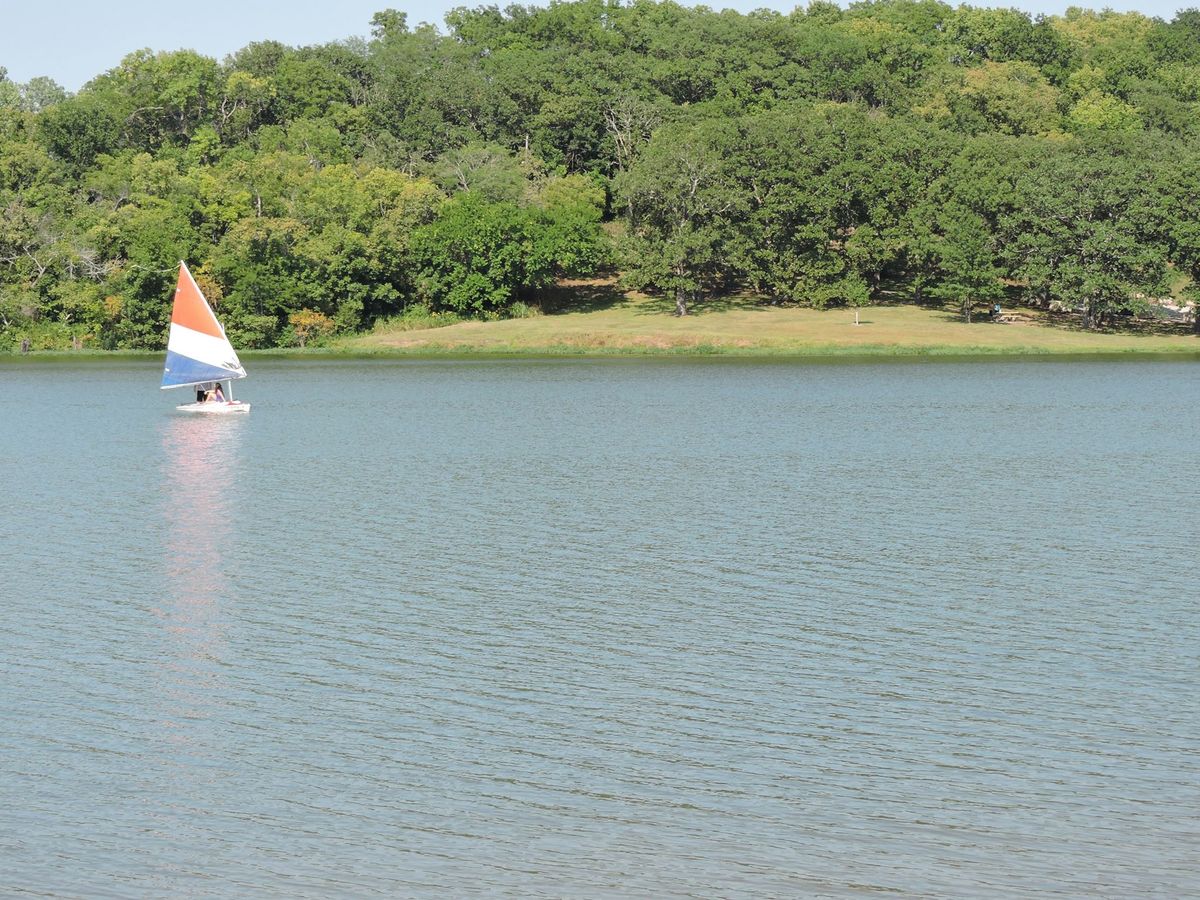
198	353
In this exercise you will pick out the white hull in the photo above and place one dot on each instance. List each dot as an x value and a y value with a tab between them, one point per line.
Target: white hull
216	407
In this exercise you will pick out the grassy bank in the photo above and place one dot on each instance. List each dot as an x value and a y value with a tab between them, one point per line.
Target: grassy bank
601	322
638	325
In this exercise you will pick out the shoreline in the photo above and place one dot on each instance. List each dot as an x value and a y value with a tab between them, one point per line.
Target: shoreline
550	353
639	329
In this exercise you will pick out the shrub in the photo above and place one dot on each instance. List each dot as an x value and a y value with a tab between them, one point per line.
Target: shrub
310	325
522	310
417	318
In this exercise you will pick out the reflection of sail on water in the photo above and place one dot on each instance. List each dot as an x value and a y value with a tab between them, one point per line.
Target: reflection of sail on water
190	696
201	463
199	467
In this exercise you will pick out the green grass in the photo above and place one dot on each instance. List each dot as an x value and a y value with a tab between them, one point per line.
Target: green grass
613	324
593	318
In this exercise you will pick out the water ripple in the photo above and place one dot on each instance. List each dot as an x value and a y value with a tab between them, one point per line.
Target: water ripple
602	629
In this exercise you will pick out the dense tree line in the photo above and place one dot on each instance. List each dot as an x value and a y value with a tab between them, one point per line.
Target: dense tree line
900	148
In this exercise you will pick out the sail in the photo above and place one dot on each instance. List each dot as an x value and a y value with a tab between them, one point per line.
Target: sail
197	351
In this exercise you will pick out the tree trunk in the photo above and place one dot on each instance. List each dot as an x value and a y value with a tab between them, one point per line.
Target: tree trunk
680	302
966	308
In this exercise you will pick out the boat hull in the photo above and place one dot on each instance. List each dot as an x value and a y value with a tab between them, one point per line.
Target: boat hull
215	407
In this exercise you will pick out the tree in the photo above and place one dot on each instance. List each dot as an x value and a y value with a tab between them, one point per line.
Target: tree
1003	97
1082	227
10	93
567	235
472	258
309	323
629	122
1096	111
684	204
485	169
1005	35
262	271
41	93
79	129
244	104
1179	221
966	253
828	191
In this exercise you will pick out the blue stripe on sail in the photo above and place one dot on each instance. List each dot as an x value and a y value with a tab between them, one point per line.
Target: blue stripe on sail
182	370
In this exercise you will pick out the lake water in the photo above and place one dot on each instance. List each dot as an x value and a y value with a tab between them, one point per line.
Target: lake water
602	628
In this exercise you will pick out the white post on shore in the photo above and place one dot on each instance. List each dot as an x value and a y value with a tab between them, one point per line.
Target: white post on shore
856	317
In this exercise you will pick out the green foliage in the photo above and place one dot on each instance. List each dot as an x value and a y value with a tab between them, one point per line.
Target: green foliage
827	189
1080	223
474	257
10	93
310	325
46	336
828	156
418	318
522	310
999	97
1103	112
78	130
966	259
684	202
487	170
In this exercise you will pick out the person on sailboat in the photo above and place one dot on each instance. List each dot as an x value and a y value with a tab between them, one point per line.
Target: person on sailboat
199	355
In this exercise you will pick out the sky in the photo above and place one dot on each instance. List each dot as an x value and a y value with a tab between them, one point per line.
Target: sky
72	41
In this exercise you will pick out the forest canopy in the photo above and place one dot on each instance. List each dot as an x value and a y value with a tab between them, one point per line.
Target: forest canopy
822	157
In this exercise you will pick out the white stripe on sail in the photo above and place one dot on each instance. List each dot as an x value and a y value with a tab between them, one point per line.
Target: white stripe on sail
205	348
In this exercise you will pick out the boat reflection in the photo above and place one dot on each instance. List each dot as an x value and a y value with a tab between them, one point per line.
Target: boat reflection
201	468
200	471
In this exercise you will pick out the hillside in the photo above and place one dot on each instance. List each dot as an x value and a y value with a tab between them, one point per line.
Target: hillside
824	158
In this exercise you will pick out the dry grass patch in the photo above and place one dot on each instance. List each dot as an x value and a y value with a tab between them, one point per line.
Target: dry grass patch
634	324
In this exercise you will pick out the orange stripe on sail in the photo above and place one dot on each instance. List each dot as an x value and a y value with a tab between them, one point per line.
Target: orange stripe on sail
190	309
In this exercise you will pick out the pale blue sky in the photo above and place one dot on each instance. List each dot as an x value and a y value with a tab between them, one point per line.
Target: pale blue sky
74	40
